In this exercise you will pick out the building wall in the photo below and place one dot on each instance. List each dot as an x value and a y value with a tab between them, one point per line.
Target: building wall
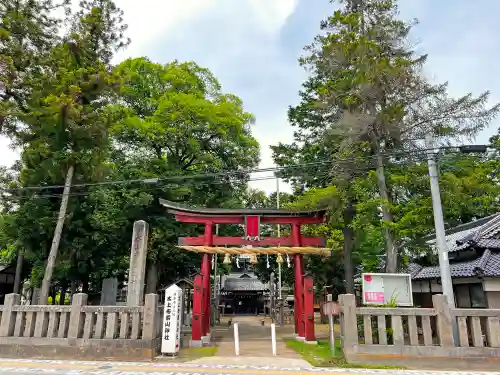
493	300
492	288
423	291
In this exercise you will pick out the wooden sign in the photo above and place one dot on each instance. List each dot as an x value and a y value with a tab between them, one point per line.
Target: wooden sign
331	308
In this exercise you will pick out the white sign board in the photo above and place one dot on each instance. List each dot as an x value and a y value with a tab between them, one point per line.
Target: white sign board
171	338
382	288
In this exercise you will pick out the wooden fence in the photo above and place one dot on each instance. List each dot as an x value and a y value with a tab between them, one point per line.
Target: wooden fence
385	334
80	330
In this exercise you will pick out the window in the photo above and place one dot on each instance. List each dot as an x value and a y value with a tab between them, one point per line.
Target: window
477	296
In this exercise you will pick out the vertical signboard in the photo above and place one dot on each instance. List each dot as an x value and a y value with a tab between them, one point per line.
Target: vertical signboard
171	338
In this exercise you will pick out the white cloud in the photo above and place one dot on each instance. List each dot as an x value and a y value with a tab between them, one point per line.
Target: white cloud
150	19
242	26
271	15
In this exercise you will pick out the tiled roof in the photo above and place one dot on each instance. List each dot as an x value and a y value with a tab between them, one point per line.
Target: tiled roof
486	265
243	284
413	269
479	234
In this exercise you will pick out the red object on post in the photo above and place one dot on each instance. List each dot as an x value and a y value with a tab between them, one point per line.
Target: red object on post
206	262
299	295
205	270
302	273
296	235
252	228
309	308
197	308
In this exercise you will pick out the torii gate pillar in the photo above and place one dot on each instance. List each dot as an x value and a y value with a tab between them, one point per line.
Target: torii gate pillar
206	263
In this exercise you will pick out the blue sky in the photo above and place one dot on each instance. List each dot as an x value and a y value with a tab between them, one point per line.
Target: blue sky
252	47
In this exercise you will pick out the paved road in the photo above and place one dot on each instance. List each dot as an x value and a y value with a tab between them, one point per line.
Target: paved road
21	367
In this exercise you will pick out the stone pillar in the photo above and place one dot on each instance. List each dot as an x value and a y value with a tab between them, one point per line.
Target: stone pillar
197	312
109	292
150	323
137	271
8	321
309	335
35	296
76	316
444	320
349	322
184	301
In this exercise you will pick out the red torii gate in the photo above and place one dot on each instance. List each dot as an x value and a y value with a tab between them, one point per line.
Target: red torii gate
208	244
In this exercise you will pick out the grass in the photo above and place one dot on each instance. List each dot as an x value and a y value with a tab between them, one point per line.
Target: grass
321	356
190	354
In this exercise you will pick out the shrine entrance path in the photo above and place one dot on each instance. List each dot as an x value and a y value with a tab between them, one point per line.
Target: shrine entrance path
255	344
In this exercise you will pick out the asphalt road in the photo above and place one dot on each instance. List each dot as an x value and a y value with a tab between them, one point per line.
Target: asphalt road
21	367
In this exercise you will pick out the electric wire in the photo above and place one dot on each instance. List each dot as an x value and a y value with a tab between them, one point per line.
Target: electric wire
141	190
274	169
197	184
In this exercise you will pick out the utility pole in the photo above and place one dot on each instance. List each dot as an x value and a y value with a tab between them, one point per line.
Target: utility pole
437	208
54	248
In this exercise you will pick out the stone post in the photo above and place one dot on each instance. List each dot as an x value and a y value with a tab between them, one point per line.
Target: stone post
35	297
444	326
349	324
137	271
76	317
109	291
8	321
149	323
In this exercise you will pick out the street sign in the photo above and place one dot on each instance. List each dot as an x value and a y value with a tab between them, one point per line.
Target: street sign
383	288
331	308
171	337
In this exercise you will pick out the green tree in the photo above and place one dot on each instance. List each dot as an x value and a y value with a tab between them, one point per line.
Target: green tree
367	89
66	125
28	30
176	124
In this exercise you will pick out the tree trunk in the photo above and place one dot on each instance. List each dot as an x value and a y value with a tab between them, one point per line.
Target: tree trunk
391	264
51	261
19	272
152	278
348	247
85	284
72	290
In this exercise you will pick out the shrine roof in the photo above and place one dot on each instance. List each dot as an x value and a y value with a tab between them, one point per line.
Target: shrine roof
239	284
175	207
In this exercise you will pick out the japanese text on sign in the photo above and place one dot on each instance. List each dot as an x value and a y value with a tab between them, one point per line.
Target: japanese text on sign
171	320
374	297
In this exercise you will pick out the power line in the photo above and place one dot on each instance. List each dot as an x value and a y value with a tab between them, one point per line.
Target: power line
198	184
311	167
274	169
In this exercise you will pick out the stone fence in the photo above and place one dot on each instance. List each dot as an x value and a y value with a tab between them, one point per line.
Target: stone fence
407	336
79	330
